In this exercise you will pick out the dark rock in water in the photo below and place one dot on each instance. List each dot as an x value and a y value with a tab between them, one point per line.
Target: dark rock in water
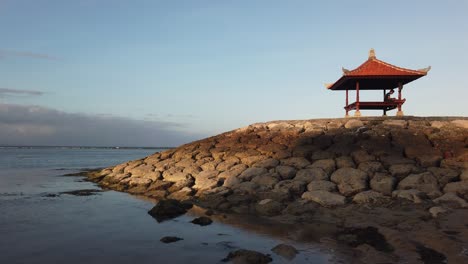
369	235
86	192
170	239
430	256
203	221
247	257
168	209
287	251
51	195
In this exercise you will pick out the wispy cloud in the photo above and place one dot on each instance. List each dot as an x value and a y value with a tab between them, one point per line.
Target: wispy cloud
26	54
36	125
7	92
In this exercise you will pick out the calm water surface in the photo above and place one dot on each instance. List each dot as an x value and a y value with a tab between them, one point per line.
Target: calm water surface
110	227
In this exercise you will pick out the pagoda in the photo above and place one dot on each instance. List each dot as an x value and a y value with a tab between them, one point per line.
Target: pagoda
375	74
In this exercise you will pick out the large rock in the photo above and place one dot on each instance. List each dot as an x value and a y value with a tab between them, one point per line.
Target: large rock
413	195
383	183
297	162
249	161
462	123
444	175
350	181
269	207
361	156
460	188
250	173
368	197
206	180
176	176
464	175
371	167
324	198
321	186
290	187
286	251
247	257
400	171
354	123
345	162
312	174
168	209
328	165
268	163
266	181
451	198
233	171
425	182
286	172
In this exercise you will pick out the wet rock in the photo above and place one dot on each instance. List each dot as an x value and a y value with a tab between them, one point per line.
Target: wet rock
247	257
328	165
202	221
453	199
324	198
383	183
168	209
428	255
361	156
269	207
369	197
369	235
350	181
159	185
286	251
170	239
291	187
246	187
413	195
425	182
460	188
286	172
183	194
400	171
85	192
312	174
321	186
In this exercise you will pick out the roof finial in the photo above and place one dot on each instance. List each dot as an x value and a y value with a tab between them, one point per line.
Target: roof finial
372	54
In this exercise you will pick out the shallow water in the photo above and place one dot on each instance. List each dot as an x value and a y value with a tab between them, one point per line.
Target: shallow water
109	226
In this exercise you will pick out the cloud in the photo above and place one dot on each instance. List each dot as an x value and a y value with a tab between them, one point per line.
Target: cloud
35	125
26	54
6	92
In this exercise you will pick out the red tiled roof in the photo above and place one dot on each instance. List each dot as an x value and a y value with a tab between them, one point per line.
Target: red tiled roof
375	74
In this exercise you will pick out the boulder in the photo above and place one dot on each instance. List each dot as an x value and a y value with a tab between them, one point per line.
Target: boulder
233	171
413	195
246	187
464	175
322	154
324	198
297	162
462	123
183	194
249	161
460	188
206	180
361	156
168	209
350	181
389	160
170	239
286	251
269	207
444	175
345	162
267	164
286	172
321	186
202	221
371	167
176	176
383	183
290	187
368	197
400	171
435	211
266	181
328	165
250	173
312	174
451	198
247	257
395	123
425	182
354	123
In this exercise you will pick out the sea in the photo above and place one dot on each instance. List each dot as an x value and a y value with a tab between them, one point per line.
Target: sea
39	223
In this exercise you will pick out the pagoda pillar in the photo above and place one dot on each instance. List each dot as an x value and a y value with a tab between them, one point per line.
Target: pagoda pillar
384	99
347	103
400	87
357	113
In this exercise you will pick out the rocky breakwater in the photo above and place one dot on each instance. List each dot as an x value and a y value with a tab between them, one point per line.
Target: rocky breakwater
352	172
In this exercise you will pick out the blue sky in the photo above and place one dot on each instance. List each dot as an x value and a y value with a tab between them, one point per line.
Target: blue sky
205	67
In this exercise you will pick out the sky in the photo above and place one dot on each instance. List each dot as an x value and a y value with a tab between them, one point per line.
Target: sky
163	73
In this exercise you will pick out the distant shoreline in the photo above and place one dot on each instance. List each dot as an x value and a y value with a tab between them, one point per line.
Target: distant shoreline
78	147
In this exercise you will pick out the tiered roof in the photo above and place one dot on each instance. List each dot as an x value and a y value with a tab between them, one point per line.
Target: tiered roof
375	74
